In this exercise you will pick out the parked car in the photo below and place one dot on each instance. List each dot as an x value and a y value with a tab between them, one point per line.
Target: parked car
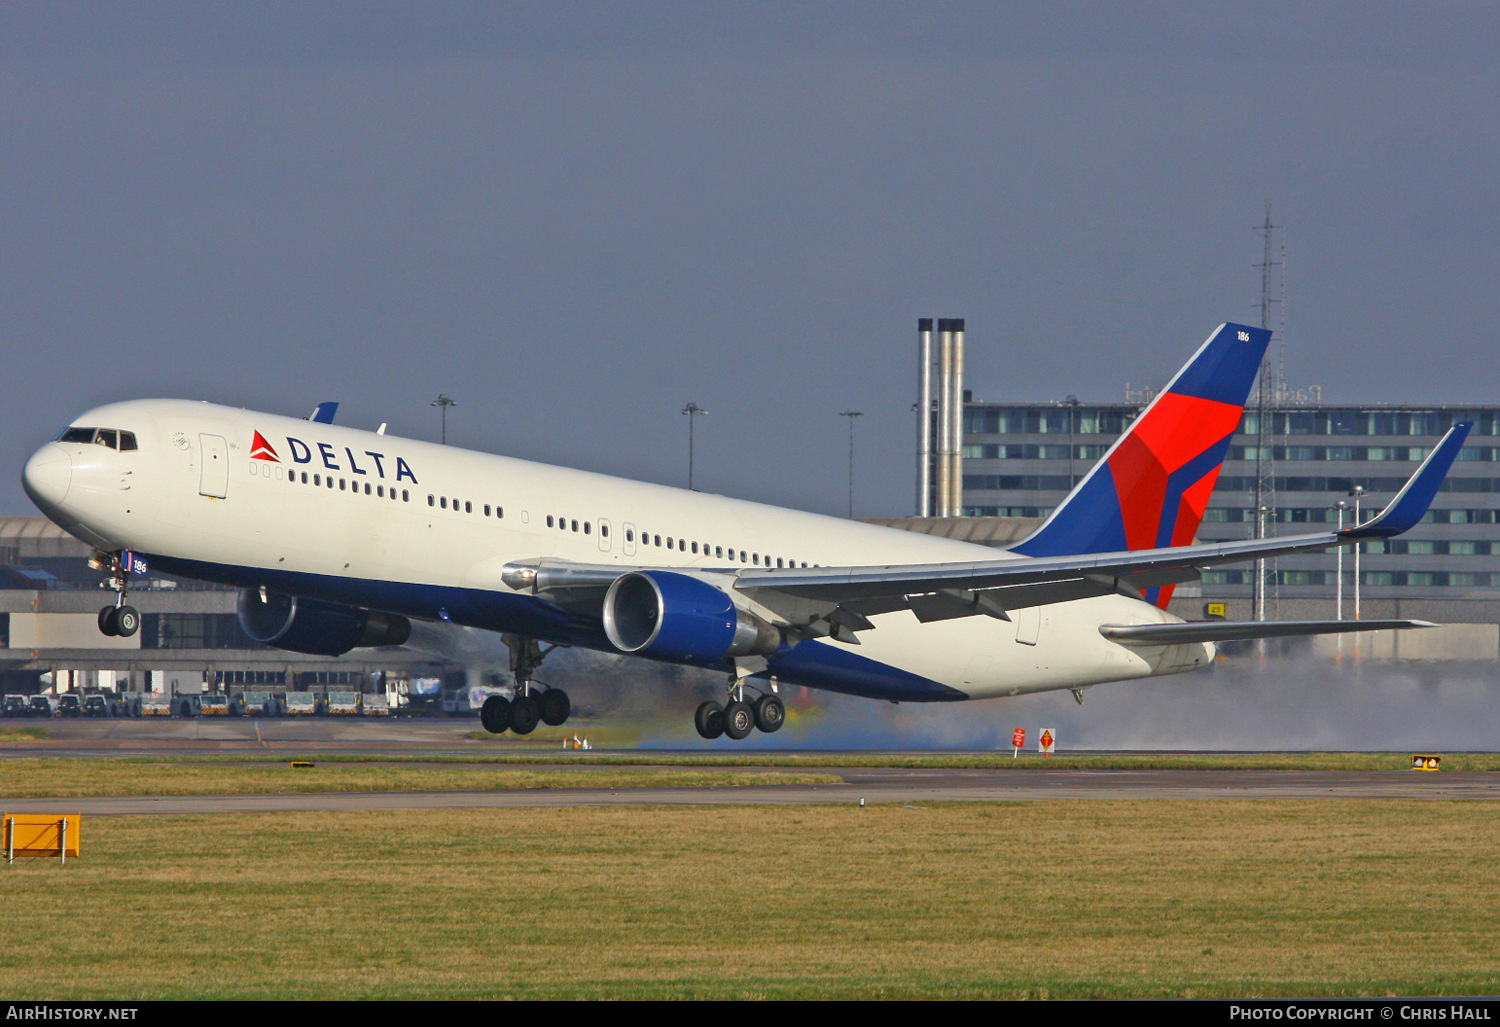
98	706
14	706
68	705
40	706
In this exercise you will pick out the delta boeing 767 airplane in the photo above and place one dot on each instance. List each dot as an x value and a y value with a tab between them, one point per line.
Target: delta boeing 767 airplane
338	538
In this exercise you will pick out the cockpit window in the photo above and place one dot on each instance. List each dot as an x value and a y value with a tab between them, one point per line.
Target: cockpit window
110	438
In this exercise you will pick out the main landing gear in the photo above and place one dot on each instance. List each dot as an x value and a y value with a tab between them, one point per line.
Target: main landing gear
531	706
738	718
120	619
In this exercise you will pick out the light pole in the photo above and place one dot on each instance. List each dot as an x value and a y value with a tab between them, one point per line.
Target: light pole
851	414
444	402
692	412
1356	493
1072	404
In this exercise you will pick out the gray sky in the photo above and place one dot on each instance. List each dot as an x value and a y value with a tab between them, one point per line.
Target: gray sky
574	218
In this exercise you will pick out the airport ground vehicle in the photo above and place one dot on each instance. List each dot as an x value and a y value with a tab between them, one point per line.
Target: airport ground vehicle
15	706
95	705
341	704
68	705
299	704
41	706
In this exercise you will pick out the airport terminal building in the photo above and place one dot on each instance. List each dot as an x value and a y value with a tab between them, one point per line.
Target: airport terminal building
190	641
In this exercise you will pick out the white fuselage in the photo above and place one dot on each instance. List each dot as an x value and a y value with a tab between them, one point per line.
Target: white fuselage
426	530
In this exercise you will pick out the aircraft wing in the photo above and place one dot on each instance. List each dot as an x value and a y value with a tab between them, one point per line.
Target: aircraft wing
1012	582
842	599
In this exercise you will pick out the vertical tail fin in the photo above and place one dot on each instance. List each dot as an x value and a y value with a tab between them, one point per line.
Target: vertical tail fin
1150	490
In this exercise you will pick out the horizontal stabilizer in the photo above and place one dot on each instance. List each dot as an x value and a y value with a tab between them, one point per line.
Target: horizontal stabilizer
1235	631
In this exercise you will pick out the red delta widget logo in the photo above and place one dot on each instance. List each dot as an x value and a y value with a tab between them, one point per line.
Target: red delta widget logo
331	459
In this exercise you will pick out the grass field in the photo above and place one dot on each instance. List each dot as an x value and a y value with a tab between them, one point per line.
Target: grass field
1068	899
41	778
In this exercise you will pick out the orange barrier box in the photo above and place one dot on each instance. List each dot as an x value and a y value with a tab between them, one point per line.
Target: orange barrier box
40	834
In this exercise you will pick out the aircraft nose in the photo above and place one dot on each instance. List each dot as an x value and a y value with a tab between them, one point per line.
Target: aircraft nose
47	476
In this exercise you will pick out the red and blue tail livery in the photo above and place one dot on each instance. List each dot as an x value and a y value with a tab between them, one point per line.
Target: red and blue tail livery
1151	488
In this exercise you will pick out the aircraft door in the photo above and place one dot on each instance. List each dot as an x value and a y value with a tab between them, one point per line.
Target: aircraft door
627	546
1028	625
214	480
605	535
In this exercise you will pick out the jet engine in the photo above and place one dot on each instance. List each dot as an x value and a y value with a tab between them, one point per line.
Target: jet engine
315	626
681	619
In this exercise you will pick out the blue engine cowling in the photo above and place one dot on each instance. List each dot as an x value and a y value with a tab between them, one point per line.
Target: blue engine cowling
681	619
315	626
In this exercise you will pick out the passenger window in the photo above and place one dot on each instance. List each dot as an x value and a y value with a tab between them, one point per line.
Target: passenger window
778	563
329	481
669	541
719	552
443	502
380	491
742	556
317	480
499	511
468	506
405	495
549	520
575	525
585	527
431	499
304	477
341	485
695	549
658	541
127	440
682	545
486	509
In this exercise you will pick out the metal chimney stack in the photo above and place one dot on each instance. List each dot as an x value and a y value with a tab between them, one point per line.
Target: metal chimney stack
924	417
944	489
956	411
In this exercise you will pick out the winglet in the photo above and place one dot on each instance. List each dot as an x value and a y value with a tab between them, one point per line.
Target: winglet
1411	503
324	412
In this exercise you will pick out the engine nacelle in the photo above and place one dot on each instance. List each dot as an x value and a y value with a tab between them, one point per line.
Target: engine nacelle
315	626
679	618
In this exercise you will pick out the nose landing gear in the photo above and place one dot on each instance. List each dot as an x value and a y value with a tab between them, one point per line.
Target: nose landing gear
120	620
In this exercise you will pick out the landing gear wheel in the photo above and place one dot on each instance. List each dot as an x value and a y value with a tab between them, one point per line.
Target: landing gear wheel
495	714
109	621
739	720
525	713
555	707
709	720
127	621
769	713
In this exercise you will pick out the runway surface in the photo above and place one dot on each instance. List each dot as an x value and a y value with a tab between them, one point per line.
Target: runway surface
873	785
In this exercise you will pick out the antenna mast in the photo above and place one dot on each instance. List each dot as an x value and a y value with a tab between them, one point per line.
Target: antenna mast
1267	402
